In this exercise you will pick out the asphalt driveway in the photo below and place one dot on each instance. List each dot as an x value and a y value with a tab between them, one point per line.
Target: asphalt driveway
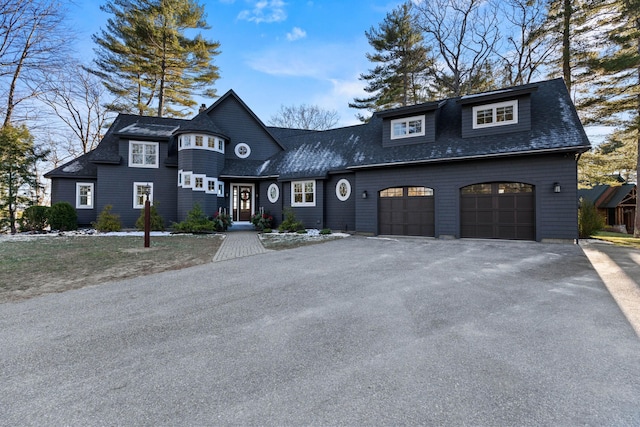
352	332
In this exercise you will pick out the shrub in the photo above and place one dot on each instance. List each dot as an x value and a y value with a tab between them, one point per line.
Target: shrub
196	222
63	217
589	220
325	231
262	220
107	221
34	218
290	224
222	221
267	230
156	221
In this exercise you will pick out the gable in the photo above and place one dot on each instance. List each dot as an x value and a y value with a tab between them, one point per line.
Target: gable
243	129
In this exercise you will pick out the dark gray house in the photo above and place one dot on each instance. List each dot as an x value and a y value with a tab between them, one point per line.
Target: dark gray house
500	164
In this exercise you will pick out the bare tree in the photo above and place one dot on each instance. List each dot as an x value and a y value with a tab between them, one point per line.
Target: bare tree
463	35
76	97
309	117
32	39
527	48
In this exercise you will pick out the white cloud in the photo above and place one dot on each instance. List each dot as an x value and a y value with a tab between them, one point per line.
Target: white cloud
265	11
296	33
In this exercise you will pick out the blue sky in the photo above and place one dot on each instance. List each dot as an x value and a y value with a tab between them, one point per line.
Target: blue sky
276	52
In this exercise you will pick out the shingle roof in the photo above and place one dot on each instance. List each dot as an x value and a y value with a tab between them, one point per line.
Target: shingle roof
555	127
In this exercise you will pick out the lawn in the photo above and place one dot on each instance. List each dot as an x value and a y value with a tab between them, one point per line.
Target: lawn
618	238
39	265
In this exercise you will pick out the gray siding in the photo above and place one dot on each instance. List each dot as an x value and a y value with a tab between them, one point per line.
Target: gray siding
273	209
429	131
115	187
312	216
64	190
204	162
556	214
340	215
524	120
240	126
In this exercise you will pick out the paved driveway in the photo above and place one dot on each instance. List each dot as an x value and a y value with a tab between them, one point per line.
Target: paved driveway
352	332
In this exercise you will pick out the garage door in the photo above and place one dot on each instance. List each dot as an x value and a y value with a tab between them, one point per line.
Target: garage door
498	210
407	211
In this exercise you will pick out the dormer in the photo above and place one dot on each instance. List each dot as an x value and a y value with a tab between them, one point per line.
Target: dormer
497	112
415	124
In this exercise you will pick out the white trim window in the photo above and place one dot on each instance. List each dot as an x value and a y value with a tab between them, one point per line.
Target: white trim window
343	190
303	193
140	194
211	186
143	154
187	179
84	195
499	114
220	189
407	127
243	150
273	193
199	182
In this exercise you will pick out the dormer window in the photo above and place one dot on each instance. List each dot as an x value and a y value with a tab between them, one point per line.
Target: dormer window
499	114
407	127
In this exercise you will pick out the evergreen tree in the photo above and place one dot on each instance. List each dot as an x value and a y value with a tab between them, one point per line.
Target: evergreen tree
616	96
400	76
147	61
18	176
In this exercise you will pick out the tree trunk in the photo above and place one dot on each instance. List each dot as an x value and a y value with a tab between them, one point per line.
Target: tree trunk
566	43
636	228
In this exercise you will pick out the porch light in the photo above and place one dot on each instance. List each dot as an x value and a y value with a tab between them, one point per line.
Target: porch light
364	194
556	187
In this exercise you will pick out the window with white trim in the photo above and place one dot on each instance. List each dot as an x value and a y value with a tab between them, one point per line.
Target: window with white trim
143	154
303	193
187	180
273	193
343	190
498	114
407	127
242	150
198	182
84	195
140	194
220	189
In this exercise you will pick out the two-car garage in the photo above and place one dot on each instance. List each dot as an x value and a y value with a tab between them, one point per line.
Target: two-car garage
497	210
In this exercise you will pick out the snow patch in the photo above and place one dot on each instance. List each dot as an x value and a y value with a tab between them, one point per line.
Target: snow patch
72	167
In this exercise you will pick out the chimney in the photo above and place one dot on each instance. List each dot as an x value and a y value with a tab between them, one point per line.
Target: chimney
202	108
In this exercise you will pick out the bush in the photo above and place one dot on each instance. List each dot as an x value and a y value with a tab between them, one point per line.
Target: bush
107	221
63	217
325	231
34	218
290	224
589	220
196	222
262	220
156	221
222	221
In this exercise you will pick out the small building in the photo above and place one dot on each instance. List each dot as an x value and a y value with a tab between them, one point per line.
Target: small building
616	204
499	164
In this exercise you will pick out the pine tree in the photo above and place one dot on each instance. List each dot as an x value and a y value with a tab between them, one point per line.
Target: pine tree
617	93
400	76
147	61
18	176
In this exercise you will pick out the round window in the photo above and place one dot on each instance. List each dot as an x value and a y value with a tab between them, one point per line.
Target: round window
273	193
343	190
243	150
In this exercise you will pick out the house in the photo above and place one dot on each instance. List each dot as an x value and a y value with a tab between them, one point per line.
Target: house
616	204
500	164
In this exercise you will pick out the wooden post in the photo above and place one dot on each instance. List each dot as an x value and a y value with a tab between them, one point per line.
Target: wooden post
147	221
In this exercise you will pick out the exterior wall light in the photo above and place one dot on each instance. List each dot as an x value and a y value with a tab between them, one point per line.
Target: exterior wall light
556	187
364	194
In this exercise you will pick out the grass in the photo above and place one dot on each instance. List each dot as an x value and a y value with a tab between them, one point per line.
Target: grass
48	264
618	238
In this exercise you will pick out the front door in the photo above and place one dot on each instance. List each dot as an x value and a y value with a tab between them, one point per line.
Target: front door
242	202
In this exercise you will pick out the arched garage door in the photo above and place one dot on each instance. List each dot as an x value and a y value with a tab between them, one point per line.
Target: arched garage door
498	210
407	211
